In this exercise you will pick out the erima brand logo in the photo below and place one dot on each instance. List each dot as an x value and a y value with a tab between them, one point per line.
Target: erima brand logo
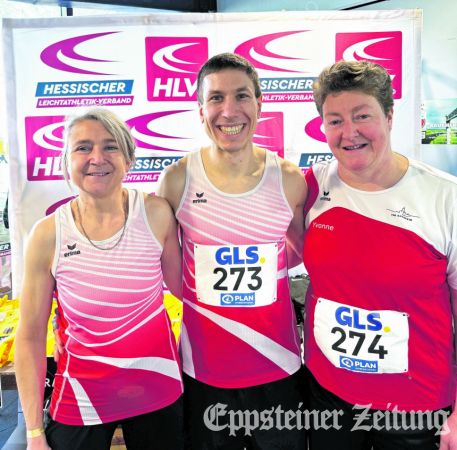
44	145
402	214
199	198
63	55
325	196
72	251
269	133
172	65
358	365
238	299
384	48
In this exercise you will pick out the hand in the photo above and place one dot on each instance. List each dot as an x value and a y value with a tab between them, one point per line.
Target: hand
38	443
449	433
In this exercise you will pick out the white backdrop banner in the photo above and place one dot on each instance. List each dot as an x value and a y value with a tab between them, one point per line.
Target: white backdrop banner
145	69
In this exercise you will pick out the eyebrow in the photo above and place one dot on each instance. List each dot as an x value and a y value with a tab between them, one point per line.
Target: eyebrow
218	91
88	141
354	110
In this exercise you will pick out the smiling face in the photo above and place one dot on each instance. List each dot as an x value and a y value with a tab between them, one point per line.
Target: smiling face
358	133
97	163
229	109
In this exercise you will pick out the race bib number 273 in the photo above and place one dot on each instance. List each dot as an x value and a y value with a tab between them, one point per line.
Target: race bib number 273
236	275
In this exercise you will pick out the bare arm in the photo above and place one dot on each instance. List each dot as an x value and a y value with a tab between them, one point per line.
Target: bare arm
296	193
172	182
163	223
35	308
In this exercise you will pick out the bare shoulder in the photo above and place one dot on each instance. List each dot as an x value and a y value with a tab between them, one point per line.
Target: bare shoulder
42	239
156	206
159	215
293	182
172	182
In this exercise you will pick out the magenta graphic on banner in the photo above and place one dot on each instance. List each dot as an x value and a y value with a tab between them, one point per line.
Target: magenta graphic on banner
44	144
172	65
54	206
255	50
269	133
143	132
383	48
63	56
313	129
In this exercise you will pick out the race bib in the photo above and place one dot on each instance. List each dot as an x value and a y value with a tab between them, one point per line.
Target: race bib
359	340
236	275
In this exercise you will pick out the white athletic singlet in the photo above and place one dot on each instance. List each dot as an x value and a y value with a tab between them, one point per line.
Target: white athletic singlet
120	356
239	325
378	327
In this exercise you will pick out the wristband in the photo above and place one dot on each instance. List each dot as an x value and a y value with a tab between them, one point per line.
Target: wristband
35	432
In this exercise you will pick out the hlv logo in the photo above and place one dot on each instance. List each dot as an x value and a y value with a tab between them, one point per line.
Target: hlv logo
44	144
255	50
172	65
269	133
63	56
384	48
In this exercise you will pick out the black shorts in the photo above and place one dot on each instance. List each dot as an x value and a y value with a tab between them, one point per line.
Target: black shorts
157	430
353	427
266	417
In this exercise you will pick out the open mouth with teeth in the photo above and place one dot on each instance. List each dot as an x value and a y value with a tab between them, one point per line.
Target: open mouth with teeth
354	147
231	130
97	174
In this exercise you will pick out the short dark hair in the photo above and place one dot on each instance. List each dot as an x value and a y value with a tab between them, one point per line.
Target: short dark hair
364	76
224	61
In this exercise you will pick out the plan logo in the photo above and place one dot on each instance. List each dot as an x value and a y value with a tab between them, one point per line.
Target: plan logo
383	48
255	50
44	144
64	56
269	133
172	65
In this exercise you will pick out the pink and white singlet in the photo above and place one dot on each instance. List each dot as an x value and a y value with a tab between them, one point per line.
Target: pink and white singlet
239	326
120	356
378	328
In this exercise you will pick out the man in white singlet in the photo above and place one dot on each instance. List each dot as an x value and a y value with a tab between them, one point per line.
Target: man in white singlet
240	210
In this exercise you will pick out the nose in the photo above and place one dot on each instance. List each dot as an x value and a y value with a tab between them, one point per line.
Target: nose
229	107
97	155
349	129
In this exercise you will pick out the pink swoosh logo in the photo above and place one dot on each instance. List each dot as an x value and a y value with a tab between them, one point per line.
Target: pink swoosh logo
360	50
50	137
52	55
142	131
257	47
314	129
